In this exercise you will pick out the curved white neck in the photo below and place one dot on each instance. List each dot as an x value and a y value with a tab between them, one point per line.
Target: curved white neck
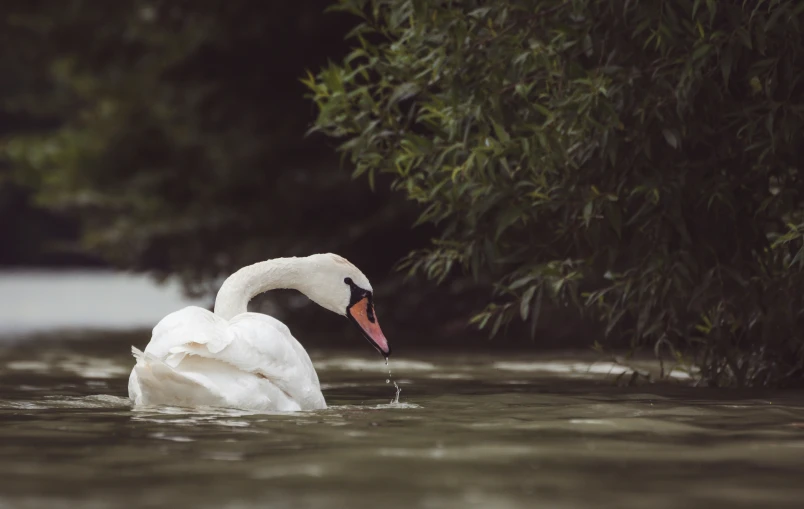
250	281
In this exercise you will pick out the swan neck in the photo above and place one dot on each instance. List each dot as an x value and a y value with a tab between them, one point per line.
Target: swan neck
250	281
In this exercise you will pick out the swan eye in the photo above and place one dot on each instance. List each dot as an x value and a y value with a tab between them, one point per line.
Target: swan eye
348	281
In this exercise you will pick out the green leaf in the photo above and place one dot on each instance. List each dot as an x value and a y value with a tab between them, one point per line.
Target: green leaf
519	283
537	308
701	51
671	137
403	92
506	220
587	212
524	303
502	135
497	323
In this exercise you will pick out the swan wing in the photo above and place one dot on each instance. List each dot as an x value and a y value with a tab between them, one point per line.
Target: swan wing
153	381
251	361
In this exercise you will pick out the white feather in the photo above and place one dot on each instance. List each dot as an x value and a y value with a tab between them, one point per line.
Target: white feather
250	361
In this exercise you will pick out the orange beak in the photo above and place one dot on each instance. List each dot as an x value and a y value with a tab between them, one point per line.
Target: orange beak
362	314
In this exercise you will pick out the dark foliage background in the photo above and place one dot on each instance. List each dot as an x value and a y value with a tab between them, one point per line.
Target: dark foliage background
170	137
178	137
628	164
636	161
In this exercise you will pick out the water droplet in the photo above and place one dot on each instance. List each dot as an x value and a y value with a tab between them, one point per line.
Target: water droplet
394	401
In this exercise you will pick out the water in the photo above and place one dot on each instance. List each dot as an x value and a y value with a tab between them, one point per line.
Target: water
394	401
470	430
39	301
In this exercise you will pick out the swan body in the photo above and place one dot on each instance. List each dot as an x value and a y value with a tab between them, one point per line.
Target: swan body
236	359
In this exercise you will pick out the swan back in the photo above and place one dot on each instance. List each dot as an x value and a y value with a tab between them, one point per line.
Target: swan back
251	361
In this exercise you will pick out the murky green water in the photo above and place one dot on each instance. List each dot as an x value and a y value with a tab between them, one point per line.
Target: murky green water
471	431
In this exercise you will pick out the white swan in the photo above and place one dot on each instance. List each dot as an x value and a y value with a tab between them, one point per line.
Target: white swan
235	359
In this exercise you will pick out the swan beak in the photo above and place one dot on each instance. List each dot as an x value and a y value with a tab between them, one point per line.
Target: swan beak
362	314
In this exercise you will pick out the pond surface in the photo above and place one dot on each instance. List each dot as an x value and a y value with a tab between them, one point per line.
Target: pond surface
40	300
475	430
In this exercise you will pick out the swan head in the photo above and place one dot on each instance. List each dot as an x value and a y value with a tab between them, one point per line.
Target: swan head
335	284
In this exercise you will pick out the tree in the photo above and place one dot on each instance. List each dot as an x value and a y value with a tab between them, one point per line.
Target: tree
175	132
639	161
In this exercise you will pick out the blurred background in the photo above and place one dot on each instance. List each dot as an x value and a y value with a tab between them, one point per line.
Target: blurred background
167	140
150	149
